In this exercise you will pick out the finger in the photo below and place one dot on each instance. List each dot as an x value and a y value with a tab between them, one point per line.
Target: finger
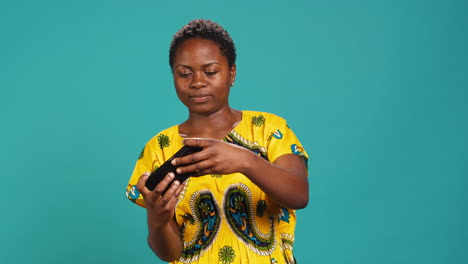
203	172
192	158
170	197
159	189
199	142
181	188
173	189
141	184
177	194
195	167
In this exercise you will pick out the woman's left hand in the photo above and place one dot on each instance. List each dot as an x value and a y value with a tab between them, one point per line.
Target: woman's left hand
217	157
284	180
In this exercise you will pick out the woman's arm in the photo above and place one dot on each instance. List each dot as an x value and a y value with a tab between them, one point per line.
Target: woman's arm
163	232
284	180
165	241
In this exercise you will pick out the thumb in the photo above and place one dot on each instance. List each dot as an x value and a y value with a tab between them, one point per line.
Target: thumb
141	185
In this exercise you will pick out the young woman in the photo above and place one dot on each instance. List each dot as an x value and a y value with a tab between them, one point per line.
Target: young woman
239	205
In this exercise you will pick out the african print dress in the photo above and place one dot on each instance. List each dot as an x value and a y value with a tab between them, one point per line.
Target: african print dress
227	218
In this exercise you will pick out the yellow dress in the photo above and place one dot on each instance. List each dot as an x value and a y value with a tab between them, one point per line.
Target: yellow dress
226	218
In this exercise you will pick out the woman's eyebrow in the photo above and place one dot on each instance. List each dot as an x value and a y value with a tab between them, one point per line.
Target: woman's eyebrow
182	65
204	65
210	63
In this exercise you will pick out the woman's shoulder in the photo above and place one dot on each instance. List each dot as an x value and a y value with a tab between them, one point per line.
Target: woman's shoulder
165	137
260	117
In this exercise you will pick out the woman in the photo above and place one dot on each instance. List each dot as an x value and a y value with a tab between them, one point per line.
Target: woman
247	181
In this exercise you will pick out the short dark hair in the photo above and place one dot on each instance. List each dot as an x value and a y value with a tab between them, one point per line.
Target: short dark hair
205	29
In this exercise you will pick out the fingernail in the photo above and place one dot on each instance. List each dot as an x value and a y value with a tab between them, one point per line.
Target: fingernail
171	175
176	183
174	162
179	170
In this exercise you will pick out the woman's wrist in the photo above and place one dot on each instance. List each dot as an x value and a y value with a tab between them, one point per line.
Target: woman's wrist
154	225
249	163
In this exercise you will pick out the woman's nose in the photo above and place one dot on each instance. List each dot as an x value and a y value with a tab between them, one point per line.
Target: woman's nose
198	81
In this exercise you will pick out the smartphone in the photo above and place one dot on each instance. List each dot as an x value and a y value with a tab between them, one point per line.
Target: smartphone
156	176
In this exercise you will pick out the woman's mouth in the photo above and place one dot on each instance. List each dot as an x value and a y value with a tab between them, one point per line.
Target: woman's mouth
200	98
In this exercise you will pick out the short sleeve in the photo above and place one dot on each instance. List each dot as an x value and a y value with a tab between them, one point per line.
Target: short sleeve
282	140
156	151
147	161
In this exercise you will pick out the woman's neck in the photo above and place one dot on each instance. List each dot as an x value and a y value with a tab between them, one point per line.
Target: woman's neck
216	125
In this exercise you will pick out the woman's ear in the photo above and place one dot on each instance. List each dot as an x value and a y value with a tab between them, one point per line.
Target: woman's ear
233	74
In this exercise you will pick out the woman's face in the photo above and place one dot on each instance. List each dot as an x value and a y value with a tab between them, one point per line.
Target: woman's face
202	76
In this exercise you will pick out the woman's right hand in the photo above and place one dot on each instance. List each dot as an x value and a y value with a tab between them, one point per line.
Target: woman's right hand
160	207
163	232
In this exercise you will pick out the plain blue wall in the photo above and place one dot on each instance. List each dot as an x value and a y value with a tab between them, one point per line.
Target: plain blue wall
376	91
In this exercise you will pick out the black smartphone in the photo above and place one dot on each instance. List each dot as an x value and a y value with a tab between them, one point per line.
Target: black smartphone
156	176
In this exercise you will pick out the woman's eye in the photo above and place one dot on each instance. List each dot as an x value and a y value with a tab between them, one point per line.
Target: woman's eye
184	74
210	73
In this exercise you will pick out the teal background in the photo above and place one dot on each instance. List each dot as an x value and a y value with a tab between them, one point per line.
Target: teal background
376	91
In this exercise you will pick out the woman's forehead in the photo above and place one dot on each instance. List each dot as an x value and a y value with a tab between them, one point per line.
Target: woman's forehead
199	51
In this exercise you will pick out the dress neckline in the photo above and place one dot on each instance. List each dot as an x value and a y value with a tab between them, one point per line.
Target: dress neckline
234	127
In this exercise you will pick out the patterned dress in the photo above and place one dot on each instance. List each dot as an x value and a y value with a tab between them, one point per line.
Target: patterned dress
227	218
